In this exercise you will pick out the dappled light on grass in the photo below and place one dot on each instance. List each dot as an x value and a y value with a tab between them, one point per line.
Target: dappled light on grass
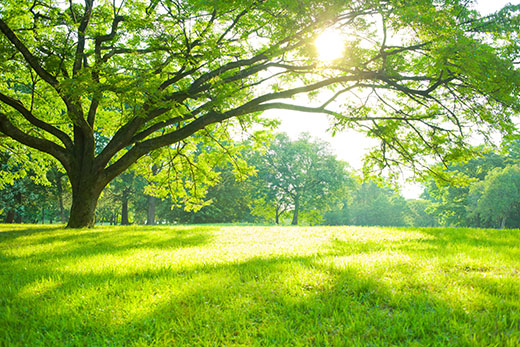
259	286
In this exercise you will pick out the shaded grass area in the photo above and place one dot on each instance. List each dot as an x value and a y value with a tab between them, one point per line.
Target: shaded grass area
216	285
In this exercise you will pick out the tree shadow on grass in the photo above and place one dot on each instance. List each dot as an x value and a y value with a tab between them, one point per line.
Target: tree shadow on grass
50	242
473	237
10	232
272	300
55	256
469	241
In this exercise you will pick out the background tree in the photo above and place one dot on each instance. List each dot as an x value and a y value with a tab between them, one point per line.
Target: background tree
26	193
453	200
59	192
229	201
420	76
374	205
417	214
500	195
303	174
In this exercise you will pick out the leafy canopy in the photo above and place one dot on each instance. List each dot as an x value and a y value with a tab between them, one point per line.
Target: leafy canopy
166	78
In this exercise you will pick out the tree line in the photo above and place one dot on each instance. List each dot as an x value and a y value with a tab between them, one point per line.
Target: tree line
287	182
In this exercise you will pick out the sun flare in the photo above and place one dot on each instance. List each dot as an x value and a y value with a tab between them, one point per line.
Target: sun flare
330	45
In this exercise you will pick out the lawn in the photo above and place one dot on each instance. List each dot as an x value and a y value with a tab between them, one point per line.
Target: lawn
263	286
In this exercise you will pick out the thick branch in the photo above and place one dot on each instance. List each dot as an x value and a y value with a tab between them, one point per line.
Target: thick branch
147	146
227	67
29	57
18	106
80	48
42	145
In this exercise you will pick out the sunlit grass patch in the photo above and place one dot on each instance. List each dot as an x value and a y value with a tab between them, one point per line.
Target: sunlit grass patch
230	285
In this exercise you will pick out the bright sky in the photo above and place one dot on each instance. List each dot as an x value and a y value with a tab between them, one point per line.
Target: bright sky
350	146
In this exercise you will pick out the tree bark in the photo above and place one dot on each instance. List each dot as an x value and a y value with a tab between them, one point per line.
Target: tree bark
124	211
10	216
150	216
84	202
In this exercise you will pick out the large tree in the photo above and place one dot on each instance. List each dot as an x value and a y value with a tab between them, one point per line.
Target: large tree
422	76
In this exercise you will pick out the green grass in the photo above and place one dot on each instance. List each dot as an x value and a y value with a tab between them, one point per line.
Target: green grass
216	285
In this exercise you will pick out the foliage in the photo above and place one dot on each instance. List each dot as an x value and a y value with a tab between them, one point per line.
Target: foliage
268	286
500	195
163	79
417	214
300	176
26	195
229	202
375	205
455	204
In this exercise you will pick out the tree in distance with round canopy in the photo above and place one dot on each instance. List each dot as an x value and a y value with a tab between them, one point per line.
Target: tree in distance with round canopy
164	79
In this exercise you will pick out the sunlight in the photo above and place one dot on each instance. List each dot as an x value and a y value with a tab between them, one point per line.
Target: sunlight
330	45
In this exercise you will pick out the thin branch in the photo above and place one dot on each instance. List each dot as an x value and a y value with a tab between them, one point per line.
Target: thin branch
29	57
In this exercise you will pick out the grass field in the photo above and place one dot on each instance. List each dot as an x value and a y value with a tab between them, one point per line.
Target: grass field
216	285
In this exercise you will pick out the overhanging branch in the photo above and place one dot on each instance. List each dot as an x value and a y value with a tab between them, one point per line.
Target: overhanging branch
18	106
42	145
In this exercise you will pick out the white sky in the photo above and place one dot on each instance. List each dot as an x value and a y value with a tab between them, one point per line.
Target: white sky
350	145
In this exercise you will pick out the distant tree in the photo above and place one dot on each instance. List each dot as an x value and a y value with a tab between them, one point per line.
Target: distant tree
26	193
374	205
453	200
125	190
339	216
301	176
59	192
416	214
500	199
230	201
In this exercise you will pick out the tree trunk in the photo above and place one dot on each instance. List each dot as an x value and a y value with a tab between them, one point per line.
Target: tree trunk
10	216
150	216
296	211
84	201
124	212
503	222
43	215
